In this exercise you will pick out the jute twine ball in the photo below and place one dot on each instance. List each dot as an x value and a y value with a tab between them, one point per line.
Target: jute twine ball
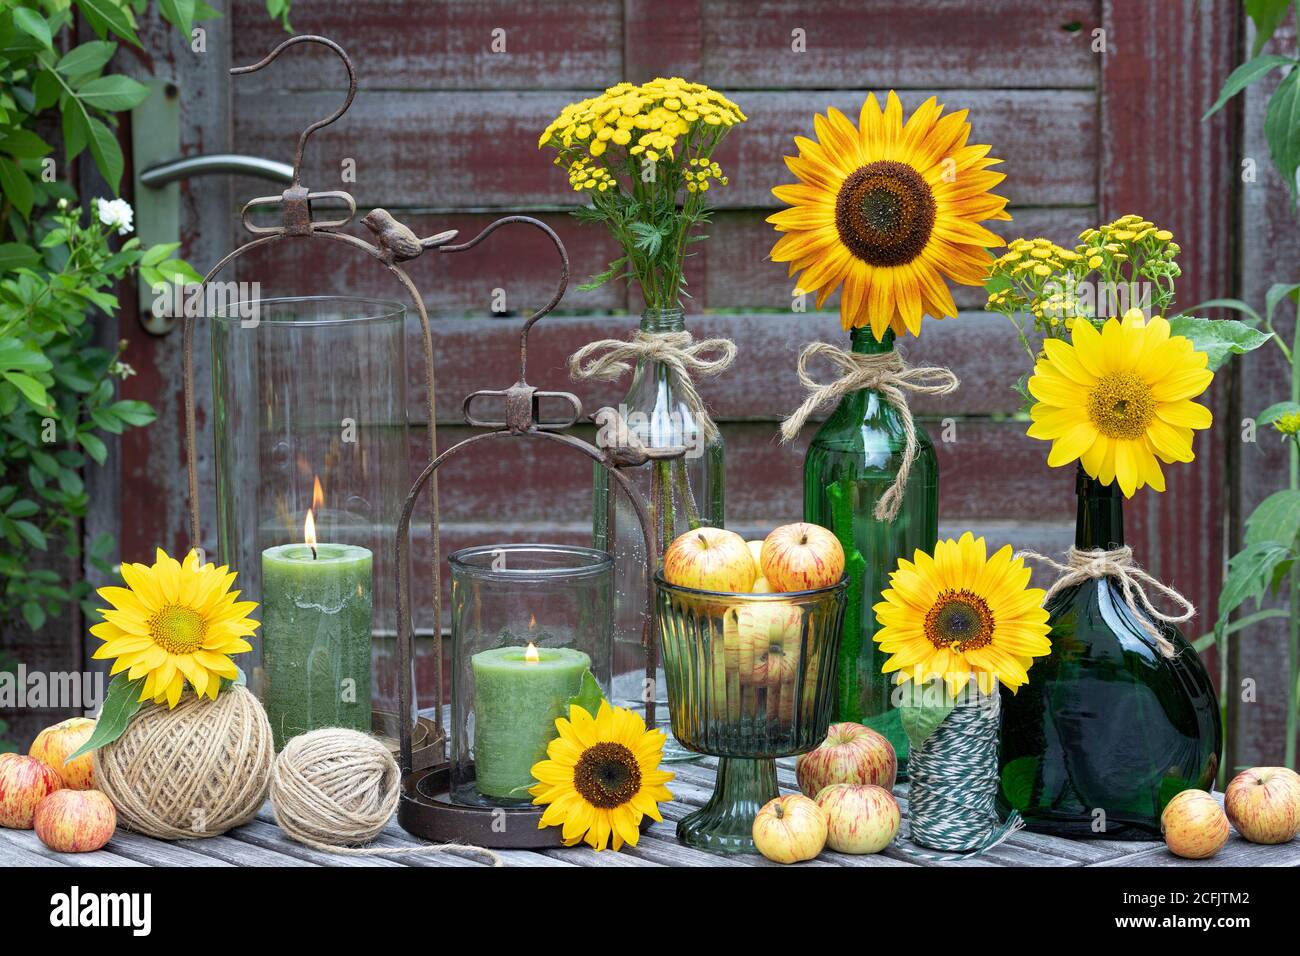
334	787
191	772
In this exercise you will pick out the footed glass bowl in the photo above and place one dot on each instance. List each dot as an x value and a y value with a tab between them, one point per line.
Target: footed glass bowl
751	677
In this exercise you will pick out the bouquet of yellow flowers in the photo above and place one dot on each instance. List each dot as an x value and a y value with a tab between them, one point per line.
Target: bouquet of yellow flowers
644	156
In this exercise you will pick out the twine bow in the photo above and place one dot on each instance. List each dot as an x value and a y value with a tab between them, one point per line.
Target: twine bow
677	350
1083	566
885	373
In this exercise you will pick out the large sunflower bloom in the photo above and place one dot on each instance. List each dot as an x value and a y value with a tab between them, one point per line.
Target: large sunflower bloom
601	777
957	613
1120	399
889	209
174	623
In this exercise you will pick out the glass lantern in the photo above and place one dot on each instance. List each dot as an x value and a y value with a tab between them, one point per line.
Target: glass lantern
529	623
312	455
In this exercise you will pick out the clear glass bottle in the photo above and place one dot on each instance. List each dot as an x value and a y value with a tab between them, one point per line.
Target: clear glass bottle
682	494
1108	729
852	460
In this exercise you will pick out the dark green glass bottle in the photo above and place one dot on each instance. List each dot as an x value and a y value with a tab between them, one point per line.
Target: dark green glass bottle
1108	729
851	462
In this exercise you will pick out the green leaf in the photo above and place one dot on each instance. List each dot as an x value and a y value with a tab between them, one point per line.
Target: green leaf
76	127
113	93
34	535
16	186
1220	339
134	413
121	703
22	508
1271	414
1250	574
1282	128
1267	15
34	25
18	356
107	153
95	448
178	270
14	255
87	58
1243	76
1276	519
24	144
1276	293
105	15
32	390
156	254
922	709
33	614
179	13
588	697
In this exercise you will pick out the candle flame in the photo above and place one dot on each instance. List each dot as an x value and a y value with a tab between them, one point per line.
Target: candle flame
532	622
317	495
531	656
309	531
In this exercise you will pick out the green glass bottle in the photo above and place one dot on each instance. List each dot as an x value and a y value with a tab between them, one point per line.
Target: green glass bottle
1108	729
851	462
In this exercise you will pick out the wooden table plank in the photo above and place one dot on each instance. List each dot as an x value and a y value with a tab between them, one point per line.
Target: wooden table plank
1236	852
27	842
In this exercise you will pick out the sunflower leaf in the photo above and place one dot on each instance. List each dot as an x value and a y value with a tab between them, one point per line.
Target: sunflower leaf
588	697
1220	339
120	704
922	709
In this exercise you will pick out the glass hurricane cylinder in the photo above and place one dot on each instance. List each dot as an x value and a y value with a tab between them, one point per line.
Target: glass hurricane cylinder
682	493
528	621
312	468
852	460
750	678
1108	729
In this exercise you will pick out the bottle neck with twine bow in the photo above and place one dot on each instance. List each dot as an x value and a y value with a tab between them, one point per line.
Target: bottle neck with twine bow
662	409
1122	714
852	486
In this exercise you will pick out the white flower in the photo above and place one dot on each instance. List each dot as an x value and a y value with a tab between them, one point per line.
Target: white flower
116	213
63	204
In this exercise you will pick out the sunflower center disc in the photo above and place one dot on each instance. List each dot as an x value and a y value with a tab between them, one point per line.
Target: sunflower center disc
960	620
178	630
607	775
1121	405
885	213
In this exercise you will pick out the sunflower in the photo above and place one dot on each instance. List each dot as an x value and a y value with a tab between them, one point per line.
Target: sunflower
1120	399
889	209
174	623
958	613
601	777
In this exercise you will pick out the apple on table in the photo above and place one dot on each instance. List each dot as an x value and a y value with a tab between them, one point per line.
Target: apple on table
1263	803
851	753
790	829
24	783
860	818
1194	825
75	821
55	744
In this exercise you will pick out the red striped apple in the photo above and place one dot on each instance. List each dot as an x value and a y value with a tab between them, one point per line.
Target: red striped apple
1263	803
24	783
710	559
53	745
1194	825
75	821
769	636
851	753
801	557
790	829
860	818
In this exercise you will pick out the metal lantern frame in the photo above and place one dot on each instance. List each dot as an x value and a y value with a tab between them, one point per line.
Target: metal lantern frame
297	222
425	808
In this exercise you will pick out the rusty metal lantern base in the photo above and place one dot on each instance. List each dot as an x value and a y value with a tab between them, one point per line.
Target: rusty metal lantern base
428	742
426	811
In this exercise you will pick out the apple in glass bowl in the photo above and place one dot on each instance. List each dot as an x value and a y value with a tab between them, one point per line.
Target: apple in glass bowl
801	557
710	559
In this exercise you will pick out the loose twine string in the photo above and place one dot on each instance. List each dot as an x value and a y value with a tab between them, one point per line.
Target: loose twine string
333	788
885	373
677	350
954	783
1082	566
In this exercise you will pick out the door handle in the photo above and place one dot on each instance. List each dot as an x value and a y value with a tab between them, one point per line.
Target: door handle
155	141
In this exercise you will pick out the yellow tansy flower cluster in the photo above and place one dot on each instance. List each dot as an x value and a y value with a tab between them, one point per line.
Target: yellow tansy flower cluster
1288	424
700	172
648	120
1125	261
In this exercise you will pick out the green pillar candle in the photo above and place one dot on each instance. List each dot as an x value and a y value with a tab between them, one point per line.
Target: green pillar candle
317	613
516	701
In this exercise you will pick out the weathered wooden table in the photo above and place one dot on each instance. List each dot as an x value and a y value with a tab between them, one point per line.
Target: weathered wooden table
261	843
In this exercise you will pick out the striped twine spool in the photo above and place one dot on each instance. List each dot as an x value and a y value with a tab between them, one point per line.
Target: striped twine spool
954	784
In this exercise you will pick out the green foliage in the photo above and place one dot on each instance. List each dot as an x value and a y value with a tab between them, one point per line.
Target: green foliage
1220	339
922	708
1282	120
121	703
